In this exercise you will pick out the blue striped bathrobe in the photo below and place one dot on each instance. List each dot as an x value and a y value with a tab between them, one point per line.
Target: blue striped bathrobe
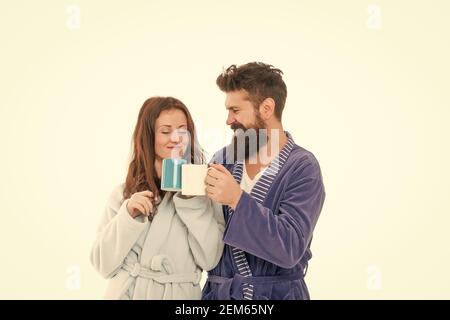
268	236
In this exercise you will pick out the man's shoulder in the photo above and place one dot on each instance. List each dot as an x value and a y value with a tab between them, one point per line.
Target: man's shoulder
222	158
300	154
304	161
219	156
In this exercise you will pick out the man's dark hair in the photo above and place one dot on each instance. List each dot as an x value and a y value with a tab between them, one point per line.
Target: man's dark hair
260	80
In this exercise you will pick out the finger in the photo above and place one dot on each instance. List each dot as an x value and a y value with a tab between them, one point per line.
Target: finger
210	181
217	175
210	189
146	206
214	173
212	196
143	201
209	192
147	193
149	205
219	167
139	207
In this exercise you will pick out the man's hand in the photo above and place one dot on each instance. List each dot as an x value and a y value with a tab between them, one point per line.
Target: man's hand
221	186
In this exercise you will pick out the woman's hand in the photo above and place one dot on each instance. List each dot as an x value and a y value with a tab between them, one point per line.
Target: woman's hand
141	203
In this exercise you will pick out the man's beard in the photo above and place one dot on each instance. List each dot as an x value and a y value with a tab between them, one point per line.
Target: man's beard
247	141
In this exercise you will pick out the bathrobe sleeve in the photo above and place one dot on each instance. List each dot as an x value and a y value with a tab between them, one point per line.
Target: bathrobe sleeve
205	224
280	238
116	235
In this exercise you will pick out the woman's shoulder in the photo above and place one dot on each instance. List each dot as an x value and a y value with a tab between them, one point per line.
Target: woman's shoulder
116	198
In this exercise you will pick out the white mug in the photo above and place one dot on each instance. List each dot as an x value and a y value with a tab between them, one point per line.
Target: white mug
193	179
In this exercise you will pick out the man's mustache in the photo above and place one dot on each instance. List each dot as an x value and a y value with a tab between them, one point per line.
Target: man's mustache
236	126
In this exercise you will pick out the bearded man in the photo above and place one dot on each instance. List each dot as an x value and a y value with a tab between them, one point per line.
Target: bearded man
271	190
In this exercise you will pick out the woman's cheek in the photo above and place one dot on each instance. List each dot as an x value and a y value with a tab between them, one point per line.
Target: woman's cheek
160	146
184	150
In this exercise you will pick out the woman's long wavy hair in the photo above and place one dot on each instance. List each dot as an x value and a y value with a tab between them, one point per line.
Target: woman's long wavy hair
141	171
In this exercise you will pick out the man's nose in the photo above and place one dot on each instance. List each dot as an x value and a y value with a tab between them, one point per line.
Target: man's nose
230	119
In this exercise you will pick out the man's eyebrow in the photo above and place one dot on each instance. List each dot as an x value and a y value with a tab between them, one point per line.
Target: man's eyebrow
231	107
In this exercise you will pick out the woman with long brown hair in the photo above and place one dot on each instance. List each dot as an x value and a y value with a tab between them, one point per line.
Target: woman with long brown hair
153	244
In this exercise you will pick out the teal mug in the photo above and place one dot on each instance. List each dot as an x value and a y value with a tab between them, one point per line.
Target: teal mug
171	174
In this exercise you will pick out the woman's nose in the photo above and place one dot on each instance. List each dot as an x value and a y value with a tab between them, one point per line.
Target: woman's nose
175	137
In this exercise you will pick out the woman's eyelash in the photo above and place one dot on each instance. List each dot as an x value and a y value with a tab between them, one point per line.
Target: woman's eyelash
180	132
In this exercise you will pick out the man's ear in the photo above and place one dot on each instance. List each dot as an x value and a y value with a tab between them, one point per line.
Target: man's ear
267	108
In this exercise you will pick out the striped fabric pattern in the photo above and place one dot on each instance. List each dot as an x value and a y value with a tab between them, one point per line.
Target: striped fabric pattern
258	192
